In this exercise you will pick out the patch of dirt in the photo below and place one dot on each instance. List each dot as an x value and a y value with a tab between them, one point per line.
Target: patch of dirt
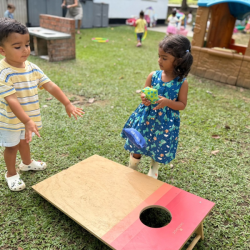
64	155
78	100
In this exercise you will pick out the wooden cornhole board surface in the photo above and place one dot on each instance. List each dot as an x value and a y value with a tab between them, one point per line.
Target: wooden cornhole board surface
107	198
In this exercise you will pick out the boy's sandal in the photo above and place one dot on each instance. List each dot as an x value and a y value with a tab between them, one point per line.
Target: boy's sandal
15	183
34	165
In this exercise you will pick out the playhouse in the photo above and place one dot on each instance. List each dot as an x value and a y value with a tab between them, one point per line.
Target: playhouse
216	56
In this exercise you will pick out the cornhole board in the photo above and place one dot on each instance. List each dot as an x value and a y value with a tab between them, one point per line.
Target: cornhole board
107	198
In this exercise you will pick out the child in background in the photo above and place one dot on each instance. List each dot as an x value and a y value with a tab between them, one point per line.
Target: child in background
9	12
190	17
20	115
172	23
247	27
140	28
159	123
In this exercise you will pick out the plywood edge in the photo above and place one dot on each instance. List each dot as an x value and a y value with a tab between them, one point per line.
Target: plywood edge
92	158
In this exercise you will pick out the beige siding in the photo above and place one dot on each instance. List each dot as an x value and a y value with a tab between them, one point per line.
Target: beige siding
3	7
20	13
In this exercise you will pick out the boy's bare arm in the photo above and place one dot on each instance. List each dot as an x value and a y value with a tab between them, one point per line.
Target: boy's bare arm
54	90
17	109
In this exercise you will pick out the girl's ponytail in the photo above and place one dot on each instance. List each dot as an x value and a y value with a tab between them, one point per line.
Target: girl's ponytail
179	47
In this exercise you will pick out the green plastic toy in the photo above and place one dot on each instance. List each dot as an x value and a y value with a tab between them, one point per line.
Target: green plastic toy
151	94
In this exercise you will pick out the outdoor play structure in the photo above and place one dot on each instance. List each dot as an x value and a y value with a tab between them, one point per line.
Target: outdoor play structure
217	57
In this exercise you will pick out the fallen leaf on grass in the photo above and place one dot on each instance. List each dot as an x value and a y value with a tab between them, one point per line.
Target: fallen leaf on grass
45	106
75	102
48	99
19	248
79	84
241	89
215	136
138	91
210	93
121	77
215	152
171	165
91	100
248	127
227	127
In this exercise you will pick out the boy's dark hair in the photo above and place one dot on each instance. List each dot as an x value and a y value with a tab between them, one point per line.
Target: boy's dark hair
8	26
142	14
179	47
174	13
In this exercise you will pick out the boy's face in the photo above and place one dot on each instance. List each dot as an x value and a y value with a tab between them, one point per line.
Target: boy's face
166	61
11	10
16	49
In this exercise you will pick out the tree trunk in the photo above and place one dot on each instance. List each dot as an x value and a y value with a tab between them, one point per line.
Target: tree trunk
184	5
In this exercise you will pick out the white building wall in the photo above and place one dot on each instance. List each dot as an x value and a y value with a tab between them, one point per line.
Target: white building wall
128	8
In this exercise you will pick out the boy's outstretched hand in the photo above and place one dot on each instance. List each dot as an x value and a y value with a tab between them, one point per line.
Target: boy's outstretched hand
30	127
73	110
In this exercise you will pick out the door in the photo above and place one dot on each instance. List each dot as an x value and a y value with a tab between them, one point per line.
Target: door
97	14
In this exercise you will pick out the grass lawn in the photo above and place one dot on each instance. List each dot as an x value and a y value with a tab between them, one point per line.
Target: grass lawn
215	169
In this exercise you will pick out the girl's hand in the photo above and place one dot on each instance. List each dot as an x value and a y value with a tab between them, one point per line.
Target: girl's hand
161	103
71	109
68	6
145	101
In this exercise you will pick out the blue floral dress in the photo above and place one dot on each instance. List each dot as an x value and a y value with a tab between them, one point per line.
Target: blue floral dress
160	128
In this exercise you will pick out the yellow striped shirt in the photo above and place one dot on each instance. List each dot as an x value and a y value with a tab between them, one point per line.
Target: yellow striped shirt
24	82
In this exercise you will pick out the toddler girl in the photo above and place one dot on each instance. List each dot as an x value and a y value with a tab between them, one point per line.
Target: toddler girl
140	25
173	21
159	123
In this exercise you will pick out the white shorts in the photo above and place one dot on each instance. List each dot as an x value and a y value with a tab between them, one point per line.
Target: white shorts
9	138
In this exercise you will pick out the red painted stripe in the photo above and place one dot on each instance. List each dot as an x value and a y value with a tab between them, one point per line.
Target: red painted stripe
131	218
187	211
137	227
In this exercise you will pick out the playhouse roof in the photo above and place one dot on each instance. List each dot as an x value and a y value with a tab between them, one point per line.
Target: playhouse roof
238	8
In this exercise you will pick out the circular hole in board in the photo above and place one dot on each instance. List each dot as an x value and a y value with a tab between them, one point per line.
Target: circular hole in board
155	216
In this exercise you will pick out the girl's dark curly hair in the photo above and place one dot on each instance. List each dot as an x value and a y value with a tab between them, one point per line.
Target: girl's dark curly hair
179	47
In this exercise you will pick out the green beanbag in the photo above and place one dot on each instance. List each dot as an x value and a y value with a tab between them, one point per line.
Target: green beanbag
151	94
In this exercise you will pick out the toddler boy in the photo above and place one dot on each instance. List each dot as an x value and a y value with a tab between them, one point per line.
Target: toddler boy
20	117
